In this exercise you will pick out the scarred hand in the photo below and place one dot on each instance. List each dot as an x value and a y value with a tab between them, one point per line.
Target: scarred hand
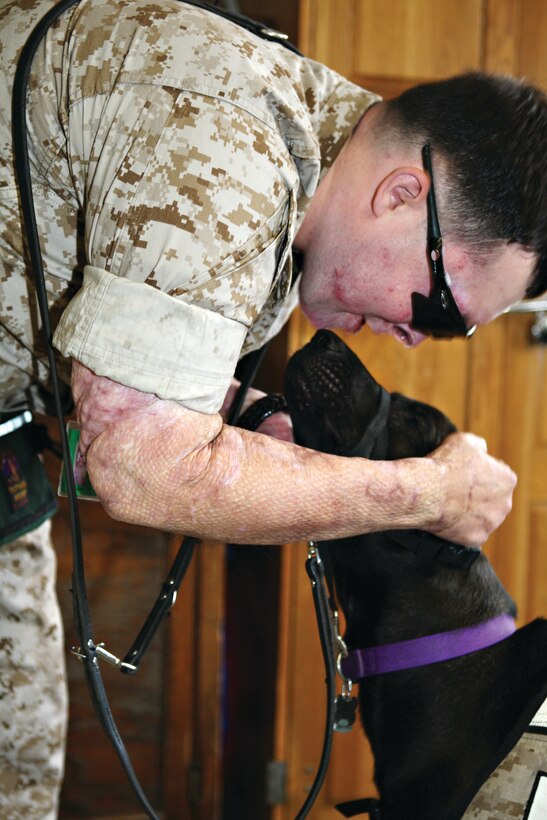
476	490
279	426
101	402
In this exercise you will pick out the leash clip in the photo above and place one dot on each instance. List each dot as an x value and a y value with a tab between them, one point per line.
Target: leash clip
345	705
107	656
339	641
341	653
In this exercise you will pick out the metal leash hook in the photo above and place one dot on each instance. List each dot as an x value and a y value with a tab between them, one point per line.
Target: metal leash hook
345	705
340	643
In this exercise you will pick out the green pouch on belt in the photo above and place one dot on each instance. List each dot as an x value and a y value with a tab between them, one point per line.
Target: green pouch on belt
26	497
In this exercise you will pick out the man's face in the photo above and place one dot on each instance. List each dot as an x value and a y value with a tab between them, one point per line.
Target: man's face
360	269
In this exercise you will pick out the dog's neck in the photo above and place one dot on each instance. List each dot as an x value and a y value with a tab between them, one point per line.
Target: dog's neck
388	594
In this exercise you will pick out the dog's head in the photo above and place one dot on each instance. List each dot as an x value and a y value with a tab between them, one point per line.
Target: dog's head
332	399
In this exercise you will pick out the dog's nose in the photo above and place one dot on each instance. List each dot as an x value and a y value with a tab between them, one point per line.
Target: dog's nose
324	339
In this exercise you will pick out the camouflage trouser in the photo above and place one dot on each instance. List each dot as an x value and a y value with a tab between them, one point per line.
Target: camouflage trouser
33	697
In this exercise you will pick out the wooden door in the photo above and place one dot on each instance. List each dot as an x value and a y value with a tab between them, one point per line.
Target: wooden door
519	551
494	384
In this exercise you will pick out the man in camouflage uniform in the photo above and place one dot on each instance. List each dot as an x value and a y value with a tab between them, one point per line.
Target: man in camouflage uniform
190	171
175	160
33	699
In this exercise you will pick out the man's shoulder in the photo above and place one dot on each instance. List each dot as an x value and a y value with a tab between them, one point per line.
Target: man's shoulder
175	44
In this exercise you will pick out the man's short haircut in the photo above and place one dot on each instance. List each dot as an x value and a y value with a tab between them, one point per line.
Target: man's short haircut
491	132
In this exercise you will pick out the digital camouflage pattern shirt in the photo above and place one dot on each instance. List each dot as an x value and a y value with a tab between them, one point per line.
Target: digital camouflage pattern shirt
173	157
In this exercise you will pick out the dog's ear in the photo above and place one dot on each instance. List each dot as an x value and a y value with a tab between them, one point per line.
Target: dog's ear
415	428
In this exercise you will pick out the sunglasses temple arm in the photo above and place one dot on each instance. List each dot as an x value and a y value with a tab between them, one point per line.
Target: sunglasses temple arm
434	231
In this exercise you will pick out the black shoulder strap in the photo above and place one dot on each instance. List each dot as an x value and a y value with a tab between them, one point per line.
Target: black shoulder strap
88	648
89	651
255	27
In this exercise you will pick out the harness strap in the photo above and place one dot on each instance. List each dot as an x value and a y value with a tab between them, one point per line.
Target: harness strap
374	441
374	444
254	26
170	587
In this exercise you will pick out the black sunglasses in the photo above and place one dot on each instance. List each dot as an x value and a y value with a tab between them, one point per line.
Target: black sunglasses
436	315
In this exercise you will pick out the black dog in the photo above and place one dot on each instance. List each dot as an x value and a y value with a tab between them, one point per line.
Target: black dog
437	732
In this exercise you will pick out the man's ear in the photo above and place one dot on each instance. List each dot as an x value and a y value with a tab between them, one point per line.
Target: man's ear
402	186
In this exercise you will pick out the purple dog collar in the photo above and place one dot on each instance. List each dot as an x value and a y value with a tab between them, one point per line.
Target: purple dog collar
393	657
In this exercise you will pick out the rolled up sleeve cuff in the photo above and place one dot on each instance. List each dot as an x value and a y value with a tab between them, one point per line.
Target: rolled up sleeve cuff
143	338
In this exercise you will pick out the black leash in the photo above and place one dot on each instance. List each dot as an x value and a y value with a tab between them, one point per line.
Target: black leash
316	574
340	710
89	651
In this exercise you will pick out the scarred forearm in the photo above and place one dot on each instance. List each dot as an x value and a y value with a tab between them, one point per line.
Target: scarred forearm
248	487
158	464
